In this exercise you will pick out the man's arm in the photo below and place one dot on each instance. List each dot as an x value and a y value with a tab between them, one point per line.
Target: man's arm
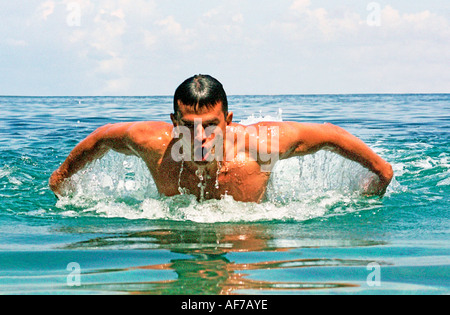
126	138
298	139
93	147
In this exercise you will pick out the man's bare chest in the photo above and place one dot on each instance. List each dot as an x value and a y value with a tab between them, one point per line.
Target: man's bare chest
242	180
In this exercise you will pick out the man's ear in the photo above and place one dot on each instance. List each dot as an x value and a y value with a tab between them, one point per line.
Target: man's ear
229	118
174	120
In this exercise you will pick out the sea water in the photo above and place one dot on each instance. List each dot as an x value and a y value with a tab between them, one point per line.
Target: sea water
314	232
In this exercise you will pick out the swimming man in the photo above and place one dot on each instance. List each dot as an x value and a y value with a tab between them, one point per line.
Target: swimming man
202	152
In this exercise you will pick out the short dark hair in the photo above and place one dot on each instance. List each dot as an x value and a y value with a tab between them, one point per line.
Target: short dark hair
200	91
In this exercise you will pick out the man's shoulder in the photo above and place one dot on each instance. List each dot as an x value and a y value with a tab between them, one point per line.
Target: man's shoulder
150	128
150	133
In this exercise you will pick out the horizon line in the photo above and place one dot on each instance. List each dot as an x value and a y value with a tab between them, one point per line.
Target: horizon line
231	95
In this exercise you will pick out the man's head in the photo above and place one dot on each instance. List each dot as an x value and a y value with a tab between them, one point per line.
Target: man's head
201	108
200	92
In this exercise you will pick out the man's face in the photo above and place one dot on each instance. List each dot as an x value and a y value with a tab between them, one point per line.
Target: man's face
207	127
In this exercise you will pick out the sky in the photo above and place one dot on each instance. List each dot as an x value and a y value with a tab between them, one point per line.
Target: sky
148	47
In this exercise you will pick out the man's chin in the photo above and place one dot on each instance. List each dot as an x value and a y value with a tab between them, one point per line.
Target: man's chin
203	159
203	162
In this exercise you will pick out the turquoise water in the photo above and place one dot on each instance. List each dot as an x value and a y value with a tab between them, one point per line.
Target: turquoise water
314	234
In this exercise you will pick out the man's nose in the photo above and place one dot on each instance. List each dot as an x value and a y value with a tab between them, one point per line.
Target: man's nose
200	133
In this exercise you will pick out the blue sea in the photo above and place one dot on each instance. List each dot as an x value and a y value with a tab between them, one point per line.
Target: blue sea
314	234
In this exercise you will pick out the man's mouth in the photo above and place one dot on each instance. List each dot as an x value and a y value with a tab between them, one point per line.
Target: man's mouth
201	154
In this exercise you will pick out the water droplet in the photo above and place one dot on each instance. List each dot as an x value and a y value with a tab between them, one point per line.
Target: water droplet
219	166
202	185
181	190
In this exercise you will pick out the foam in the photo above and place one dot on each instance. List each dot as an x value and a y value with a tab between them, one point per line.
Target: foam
299	189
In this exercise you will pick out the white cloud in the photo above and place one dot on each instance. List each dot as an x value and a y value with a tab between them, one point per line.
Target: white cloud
149	39
120	46
115	65
300	6
16	42
413	25
317	23
171	26
335	50
116	86
175	36
46	9
101	41
238	18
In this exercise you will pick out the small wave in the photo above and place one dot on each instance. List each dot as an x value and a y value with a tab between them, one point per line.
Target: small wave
445	182
187	208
